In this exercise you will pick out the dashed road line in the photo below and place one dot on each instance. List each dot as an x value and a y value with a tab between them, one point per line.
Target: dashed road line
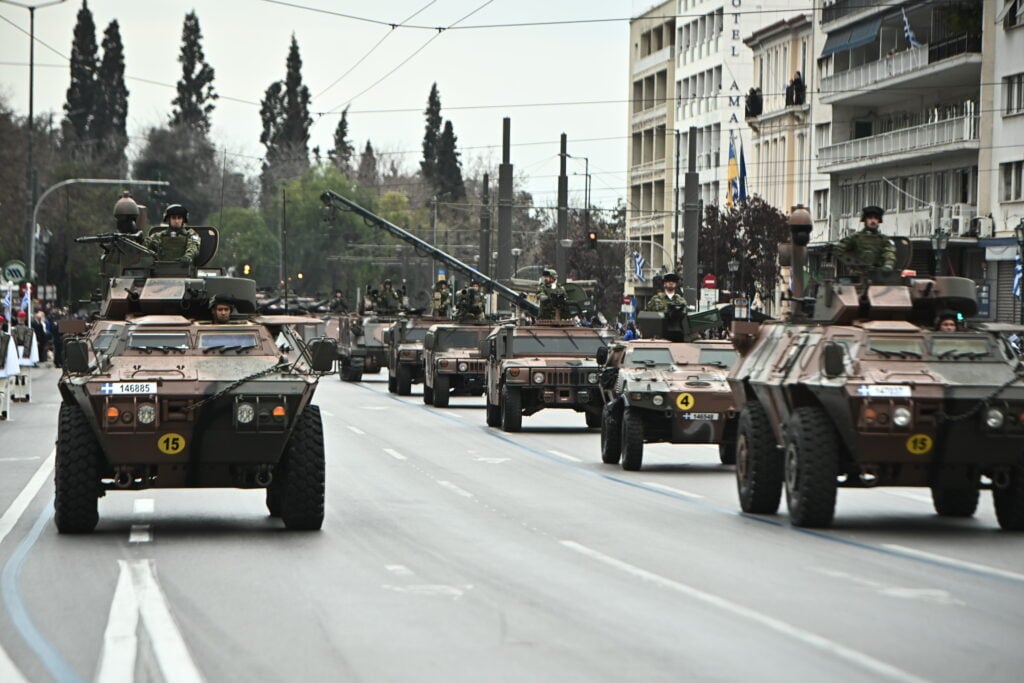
26	458
140	533
356	430
672	489
565	456
455	489
963	564
394	454
399	569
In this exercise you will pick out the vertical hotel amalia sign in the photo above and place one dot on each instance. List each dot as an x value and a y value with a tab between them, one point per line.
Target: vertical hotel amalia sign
734	94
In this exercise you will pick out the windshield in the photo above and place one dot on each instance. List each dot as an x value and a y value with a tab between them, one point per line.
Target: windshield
896	347
955	348
415	334
644	357
529	344
162	341
460	339
723	357
221	341
104	340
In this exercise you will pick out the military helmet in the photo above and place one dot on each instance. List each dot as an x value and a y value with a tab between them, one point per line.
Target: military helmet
176	210
222	299
875	211
549	271
669	277
387	281
126	207
440	283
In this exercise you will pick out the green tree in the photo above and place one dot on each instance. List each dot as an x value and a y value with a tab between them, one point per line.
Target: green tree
431	136
185	158
194	102
449	168
109	123
245	238
82	92
368	175
286	122
342	152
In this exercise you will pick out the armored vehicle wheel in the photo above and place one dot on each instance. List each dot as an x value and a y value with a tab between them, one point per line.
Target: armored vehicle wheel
76	478
428	394
593	419
955	502
632	440
441	393
1009	501
274	498
511	410
812	465
759	468
611	432
392	383
302	488
493	414
403	384
356	376
727	453
344	372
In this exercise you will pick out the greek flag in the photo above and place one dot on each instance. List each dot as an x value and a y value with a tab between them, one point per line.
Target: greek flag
26	301
638	266
908	33
1017	270
7	305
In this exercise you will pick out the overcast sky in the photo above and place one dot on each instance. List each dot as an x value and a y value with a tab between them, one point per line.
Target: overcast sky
483	74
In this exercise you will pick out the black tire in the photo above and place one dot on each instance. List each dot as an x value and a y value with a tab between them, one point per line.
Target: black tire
428	394
812	465
611	432
632	440
274	498
356	376
493	414
759	465
955	502
441	392
403	385
1009	501
76	475
304	476
511	410
593	419
727	453
392	383
344	372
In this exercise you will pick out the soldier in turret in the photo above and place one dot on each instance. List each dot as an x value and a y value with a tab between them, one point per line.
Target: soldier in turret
868	250
176	242
469	303
338	304
442	299
661	301
388	300
550	294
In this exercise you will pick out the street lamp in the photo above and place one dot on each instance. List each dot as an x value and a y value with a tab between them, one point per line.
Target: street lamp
1019	233
30	171
940	240
516	251
733	265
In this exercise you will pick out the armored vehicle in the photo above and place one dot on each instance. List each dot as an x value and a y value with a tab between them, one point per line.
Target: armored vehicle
855	389
403	344
548	365
360	344
452	362
155	395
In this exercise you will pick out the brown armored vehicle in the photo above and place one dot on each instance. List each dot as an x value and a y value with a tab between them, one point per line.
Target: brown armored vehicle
155	395
859	391
403	345
548	365
662	391
452	363
360	344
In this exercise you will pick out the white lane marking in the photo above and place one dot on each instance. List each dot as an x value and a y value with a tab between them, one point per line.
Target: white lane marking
934	595
120	642
325	413
565	456
356	430
31	457
398	569
429	589
8	670
456	489
394	454
373	407
492	461
850	655
143	506
452	414
140	534
172	655
973	566
916	497
672	489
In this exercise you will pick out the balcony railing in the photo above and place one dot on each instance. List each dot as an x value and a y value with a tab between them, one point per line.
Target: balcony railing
843	8
952	47
902	141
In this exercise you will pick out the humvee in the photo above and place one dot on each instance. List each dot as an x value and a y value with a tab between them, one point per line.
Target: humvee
453	365
403	346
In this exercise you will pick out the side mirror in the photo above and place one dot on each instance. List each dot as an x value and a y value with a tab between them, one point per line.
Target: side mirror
428	341
833	359
76	355
602	355
386	337
323	351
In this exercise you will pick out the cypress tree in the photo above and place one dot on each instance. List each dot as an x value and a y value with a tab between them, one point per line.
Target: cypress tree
295	128
110	119
367	175
449	168
194	103
431	135
82	93
341	153
286	122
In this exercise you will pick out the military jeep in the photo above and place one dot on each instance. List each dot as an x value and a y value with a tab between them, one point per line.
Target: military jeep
452	362
403	346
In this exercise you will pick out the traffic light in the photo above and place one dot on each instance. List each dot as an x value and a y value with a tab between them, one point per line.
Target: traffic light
246	269
592	239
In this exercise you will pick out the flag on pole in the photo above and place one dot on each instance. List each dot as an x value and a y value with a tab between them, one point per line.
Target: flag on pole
1017	270
743	175
908	33
8	302
26	301
638	266
732	192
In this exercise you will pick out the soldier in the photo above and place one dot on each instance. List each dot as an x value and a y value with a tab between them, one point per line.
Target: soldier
947	322
868	250
9	367
220	311
388	300
550	294
661	301
177	242
338	304
469	303
442	299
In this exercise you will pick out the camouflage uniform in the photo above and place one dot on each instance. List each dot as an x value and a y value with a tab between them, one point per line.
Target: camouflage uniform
388	300
442	303
551	299
174	245
661	301
338	305
867	250
469	305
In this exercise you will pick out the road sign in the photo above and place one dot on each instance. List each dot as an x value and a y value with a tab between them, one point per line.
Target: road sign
709	282
15	271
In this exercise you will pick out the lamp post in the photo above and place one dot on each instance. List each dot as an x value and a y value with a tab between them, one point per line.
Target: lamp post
1019	234
516	251
733	265
940	240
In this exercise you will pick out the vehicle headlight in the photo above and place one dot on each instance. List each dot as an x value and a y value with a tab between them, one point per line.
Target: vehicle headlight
538	378
146	413
592	378
245	413
463	367
994	418
658	400
901	417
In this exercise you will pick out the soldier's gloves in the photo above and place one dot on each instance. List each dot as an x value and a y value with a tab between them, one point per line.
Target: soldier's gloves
184	260
887	269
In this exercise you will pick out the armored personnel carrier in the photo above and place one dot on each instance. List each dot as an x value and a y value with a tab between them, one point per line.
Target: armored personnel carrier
452	363
855	389
361	346
156	395
666	389
403	344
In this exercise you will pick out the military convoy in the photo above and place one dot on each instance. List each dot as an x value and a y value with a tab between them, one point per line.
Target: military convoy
155	395
403	346
452	362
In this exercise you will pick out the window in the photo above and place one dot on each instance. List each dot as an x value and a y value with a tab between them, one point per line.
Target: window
1012	174
820	204
1013	93
1014	15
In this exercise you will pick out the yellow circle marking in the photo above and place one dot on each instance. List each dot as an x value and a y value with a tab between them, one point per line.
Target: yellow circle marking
919	444
171	443
685	402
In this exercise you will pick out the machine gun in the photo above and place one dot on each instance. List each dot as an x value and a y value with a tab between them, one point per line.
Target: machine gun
123	255
677	324
334	200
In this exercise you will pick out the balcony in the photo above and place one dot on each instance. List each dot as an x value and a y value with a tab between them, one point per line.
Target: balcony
655	59
957	60
848	11
647	171
917	142
649	118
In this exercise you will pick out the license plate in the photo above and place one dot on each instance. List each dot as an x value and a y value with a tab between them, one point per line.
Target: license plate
116	388
884	390
707	417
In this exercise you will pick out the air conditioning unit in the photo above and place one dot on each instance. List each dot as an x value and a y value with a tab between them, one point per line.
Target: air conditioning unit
960	223
983	226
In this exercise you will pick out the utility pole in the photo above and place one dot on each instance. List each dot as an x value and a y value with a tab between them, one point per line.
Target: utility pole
563	213
691	222
283	269
485	227
675	210
504	265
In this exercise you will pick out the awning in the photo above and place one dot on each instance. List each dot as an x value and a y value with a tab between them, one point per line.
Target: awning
852	37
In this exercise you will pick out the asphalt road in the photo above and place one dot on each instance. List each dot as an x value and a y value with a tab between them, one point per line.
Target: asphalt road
455	552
